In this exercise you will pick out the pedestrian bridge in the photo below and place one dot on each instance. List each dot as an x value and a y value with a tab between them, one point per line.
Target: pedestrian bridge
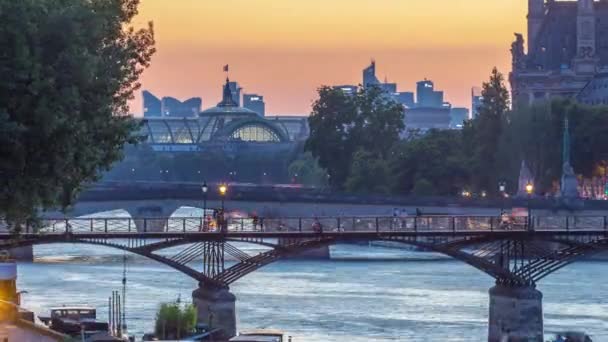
517	253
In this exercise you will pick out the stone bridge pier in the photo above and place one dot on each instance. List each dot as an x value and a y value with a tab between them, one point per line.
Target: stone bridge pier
516	312
216	308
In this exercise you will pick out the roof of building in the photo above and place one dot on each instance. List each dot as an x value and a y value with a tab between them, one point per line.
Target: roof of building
228	106
556	42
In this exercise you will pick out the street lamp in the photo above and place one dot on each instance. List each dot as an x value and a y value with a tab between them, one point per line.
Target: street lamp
223	189
502	188
224	226
204	188
529	191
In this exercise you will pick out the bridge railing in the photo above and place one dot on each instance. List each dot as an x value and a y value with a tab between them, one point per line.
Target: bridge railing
378	224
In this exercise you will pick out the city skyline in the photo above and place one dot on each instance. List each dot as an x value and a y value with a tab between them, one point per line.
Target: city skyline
454	44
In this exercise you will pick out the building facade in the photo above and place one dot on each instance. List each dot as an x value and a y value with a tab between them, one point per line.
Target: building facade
255	103
567	50
170	106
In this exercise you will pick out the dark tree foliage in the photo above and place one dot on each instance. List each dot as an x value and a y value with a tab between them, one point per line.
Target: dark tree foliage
431	164
333	115
369	174
341	125
535	134
486	131
68	69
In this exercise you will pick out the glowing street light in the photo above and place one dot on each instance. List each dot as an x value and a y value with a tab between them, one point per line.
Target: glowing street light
223	189
529	188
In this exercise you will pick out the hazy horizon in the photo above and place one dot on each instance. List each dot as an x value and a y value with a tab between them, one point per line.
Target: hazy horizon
285	49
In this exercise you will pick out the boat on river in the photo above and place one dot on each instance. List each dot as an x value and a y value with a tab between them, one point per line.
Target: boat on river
80	322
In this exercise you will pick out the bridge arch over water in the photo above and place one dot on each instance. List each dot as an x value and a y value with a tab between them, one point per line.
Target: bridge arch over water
516	256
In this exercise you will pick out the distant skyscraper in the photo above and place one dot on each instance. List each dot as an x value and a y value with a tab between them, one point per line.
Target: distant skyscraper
458	116
169	106
235	90
347	89
369	75
406	99
152	105
172	107
255	103
426	95
475	101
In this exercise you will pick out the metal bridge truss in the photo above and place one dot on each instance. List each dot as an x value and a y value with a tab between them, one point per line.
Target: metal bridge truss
514	255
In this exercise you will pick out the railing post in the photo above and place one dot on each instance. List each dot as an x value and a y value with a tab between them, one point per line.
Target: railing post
91	220
605	222
338	221
416	224
567	223
242	224
183	224
262	224
145	225
377	225
105	225
453	224
66	225
491	224
390	225
300	224
129	225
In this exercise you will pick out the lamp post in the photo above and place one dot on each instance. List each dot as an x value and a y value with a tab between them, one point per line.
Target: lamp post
223	189
205	189
529	191
502	187
224	226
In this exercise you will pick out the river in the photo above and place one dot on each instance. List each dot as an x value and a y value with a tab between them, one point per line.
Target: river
363	294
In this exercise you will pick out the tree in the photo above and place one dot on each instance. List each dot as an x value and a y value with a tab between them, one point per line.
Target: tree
379	122
174	321
341	125
306	170
369	174
333	115
487	128
430	164
534	134
68	69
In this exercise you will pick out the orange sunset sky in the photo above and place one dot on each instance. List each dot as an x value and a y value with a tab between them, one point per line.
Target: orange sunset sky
285	49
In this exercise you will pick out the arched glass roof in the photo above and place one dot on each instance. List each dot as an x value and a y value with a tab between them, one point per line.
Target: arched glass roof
191	131
254	133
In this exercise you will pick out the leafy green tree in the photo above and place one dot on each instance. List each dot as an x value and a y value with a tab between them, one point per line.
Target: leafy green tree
174	321
306	170
333	115
369	174
68	69
535	134
341	125
437	158
486	131
379	122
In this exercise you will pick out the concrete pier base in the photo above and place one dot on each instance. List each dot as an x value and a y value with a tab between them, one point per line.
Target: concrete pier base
516	314
216	308
321	253
22	253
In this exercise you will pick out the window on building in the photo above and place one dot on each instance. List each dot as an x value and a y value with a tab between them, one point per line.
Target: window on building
255	133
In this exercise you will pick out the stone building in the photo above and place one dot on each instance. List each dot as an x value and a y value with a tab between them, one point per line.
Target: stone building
567	51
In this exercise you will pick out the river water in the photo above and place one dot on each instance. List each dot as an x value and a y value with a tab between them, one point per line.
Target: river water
364	293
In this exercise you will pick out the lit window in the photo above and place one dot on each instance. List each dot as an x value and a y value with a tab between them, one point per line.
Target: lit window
254	133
